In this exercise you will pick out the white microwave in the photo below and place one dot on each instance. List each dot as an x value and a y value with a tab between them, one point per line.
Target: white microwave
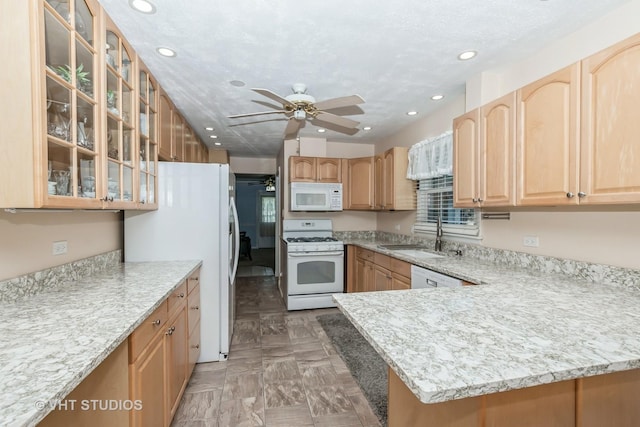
316	196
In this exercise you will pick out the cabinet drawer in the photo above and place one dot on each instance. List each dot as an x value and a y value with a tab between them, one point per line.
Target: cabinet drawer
400	267
193	281
382	260
143	334
177	297
365	254
193	305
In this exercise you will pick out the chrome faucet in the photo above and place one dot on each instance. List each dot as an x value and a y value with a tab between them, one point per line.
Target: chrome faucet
438	247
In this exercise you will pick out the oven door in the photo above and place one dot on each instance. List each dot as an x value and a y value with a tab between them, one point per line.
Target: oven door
315	272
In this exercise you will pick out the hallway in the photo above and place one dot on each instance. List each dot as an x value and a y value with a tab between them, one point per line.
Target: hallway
282	371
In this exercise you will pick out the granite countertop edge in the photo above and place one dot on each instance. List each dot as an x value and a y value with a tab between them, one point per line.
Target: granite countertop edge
160	279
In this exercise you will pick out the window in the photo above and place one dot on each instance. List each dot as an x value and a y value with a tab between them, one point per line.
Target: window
435	198
268	209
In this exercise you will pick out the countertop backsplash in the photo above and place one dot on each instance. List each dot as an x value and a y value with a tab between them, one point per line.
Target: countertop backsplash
596	273
33	283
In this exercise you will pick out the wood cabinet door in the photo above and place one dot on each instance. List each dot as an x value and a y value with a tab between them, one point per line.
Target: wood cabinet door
147	376
361	176
378	182
399	282
177	359
497	154
360	275
178	137
389	180
302	169
610	149
381	278
465	155
328	169
547	139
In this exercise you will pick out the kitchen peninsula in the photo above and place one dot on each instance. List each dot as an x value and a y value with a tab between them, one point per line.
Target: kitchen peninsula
522	349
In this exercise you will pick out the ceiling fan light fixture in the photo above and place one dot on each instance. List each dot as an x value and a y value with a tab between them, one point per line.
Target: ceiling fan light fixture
299	115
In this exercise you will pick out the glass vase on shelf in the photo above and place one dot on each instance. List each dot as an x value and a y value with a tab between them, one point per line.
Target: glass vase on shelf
59	122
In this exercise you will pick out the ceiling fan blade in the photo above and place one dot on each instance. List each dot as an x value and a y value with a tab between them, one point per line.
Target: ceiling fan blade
344	101
235	116
275	97
336	120
292	127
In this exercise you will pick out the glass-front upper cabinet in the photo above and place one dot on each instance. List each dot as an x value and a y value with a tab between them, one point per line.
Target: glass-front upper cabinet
71	169
147	138
119	118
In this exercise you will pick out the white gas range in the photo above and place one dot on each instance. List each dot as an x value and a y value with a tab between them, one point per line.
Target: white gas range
315	263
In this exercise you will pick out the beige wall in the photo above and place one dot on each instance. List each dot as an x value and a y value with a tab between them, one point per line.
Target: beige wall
27	238
608	235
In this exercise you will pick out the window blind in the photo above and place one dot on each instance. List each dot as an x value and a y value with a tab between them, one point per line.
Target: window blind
435	199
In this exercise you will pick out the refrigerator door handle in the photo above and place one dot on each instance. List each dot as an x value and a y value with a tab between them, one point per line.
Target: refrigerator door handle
236	232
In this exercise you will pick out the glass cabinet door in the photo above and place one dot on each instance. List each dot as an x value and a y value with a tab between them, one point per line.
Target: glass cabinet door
71	108
148	139
119	100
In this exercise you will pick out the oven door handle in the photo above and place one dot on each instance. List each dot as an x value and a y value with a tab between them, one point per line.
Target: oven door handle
310	254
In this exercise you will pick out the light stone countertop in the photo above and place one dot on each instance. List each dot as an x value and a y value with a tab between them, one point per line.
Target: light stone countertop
53	340
522	329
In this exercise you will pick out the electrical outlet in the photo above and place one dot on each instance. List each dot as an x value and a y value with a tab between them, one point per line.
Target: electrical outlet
60	247
531	241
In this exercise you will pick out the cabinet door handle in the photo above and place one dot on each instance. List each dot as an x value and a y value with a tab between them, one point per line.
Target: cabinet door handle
156	322
480	200
195	307
180	295
197	346
474	200
169	332
570	195
582	194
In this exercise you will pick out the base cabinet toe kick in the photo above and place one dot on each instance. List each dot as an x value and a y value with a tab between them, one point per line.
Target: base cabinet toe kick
597	401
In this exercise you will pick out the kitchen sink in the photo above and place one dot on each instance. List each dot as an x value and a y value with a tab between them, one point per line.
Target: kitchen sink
415	251
418	254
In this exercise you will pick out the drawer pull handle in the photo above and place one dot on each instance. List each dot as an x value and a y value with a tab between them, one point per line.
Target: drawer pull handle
180	295
197	346
156	322
195	307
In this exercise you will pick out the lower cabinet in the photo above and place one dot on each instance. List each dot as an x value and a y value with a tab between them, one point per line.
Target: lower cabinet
375	271
176	361
147	379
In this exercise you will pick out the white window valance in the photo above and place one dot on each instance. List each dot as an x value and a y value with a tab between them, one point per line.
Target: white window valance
431	158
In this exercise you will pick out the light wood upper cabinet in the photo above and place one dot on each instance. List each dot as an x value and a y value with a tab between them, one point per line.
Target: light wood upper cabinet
166	144
148	139
610	148
361	184
378	181
398	192
315	169
466	142
547	139
484	155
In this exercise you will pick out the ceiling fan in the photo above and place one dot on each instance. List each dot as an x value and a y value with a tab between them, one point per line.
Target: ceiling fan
299	107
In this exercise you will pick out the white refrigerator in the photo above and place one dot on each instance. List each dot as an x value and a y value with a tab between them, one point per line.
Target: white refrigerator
196	219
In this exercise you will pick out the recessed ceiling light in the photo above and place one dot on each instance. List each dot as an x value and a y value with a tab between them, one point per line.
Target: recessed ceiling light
217	143
237	83
467	55
322	130
437	97
213	136
209	128
165	51
411	113
366	128
142	6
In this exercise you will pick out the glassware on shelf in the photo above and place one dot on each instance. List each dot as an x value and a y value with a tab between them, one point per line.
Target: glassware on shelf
89	186
59	123
62	182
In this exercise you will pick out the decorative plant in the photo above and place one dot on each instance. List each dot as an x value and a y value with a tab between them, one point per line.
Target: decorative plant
82	77
111	98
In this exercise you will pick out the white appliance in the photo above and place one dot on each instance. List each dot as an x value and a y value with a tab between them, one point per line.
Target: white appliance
316	196
314	264
422	278
196	219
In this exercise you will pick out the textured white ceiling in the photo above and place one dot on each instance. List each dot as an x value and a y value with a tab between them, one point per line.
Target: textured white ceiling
395	54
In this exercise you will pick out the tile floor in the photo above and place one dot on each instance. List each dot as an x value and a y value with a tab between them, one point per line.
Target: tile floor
282	371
